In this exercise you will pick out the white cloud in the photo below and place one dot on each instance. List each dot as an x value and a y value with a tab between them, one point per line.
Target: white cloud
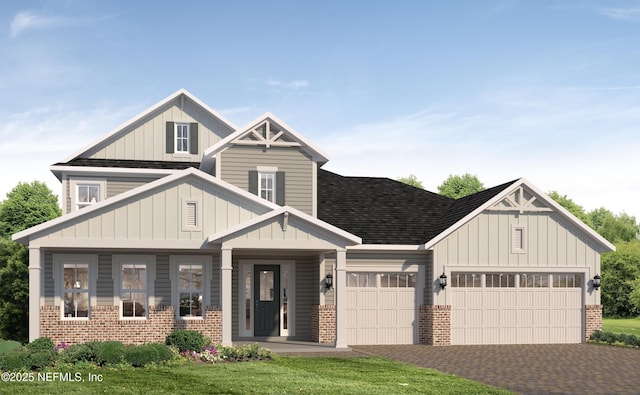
621	13
296	84
26	21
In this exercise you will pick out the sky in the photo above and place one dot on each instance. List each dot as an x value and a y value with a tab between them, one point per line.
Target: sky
501	89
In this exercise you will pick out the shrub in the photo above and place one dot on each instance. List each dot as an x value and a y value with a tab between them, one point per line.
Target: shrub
41	344
596	336
78	353
41	359
15	360
611	338
164	352
139	356
110	353
6	346
186	340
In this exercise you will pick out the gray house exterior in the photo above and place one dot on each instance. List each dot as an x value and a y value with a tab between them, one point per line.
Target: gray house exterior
179	219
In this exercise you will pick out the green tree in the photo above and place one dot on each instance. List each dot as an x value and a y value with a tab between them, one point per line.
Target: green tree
26	205
618	227
571	206
460	186
621	280
412	180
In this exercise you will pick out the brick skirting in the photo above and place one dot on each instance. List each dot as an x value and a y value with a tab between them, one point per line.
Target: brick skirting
323	323
592	319
105	324
435	325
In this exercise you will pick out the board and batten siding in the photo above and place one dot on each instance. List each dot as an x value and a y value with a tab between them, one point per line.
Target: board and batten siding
145	139
486	240
156	215
237	161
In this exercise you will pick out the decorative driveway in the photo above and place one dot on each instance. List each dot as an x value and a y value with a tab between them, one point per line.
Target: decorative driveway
529	369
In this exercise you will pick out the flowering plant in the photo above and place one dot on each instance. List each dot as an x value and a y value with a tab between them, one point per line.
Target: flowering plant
62	346
207	354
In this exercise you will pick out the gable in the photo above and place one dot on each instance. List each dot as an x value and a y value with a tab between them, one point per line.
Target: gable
521	200
157	217
145	138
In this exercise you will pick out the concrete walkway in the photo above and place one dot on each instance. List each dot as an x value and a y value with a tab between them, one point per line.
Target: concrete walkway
529	369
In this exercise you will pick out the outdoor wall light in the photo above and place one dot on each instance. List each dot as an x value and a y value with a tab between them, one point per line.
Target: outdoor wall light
328	281
443	281
596	281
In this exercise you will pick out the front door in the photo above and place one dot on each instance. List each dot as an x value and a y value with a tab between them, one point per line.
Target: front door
267	300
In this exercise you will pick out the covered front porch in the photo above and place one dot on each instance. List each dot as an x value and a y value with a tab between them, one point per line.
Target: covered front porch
273	283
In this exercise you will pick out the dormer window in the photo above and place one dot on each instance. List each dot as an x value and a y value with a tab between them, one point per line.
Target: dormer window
86	192
182	137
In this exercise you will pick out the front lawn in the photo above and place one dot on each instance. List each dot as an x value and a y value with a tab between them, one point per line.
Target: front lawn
630	326
367	375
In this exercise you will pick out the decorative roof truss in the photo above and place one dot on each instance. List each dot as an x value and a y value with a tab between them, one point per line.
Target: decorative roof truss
522	201
267	134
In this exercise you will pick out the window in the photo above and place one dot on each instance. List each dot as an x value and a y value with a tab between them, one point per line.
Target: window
133	290
191	290
88	194
500	280
182	137
191	285
361	280
397	280
84	192
76	290
466	280
74	284
534	280
267	185
518	239
567	280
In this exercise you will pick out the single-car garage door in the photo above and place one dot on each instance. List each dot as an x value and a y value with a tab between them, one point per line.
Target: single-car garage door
516	308
381	308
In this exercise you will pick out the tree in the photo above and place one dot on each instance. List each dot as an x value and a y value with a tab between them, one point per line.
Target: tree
571	206
460	186
412	180
618	227
620	280
26	205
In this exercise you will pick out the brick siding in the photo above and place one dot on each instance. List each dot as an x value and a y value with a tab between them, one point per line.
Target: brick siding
105	324
323	323
593	319
434	325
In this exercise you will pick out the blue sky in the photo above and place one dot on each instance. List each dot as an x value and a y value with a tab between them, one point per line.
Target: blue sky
546	90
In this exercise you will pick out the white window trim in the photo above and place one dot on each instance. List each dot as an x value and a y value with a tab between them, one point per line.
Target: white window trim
59	260
74	182
185	226
274	186
116	274
206	262
175	137
523	248
246	266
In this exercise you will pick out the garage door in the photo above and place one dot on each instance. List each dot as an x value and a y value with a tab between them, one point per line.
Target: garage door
523	308
381	308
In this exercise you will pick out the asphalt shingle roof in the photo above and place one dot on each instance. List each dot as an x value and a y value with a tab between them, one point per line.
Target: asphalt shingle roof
132	164
384	211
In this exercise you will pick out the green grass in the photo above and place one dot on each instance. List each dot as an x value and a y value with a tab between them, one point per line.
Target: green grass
630	326
284	375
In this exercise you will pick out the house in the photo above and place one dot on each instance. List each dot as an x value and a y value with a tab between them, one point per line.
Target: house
179	219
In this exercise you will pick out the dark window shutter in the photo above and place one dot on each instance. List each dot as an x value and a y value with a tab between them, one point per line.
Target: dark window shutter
253	182
280	188
170	137
193	138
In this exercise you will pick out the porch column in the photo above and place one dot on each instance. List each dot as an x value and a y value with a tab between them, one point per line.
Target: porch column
35	292
226	295
341	298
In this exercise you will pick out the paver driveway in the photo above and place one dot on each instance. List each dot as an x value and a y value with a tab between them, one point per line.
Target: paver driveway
530	369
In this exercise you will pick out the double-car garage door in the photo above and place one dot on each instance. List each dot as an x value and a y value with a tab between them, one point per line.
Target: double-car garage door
516	308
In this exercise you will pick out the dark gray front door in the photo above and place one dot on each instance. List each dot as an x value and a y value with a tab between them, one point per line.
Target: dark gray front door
266	293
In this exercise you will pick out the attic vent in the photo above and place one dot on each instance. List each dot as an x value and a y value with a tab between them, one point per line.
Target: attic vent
190	215
518	237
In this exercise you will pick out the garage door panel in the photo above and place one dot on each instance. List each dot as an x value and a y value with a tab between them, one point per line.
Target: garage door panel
387	317
387	299
529	314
